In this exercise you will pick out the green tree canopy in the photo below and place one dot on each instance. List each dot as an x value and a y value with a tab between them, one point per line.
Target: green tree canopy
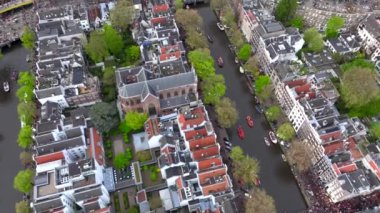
357	63
97	47
228	17
23	181
245	52
135	120
25	158
297	22
218	4
178	5
28	38
236	37
104	116
359	87
261	82
109	76
246	168
375	129
285	10
252	66
22	207
195	40
313	40
203	62
182	17
226	113
133	209
299	155
26	79
132	55
24	139
25	93
27	112
259	202
273	113
334	24
237	153
113	40
286	131
121	161
122	15
213	87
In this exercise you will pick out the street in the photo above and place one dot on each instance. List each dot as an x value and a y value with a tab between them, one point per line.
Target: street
14	58
275	175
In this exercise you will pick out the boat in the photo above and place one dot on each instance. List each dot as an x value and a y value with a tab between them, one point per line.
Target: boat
272	137
283	157
220	26
236	60
6	86
220	62
266	141
241	69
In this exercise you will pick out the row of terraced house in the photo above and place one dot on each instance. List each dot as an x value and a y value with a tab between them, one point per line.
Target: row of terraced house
308	100
165	87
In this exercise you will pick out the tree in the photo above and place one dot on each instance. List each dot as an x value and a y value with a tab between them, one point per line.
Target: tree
113	40
132	54
189	24
213	88
259	202
333	26
25	93
245	52
109	76
120	161
359	87
261	82
26	78
23	181
143	156
273	113
133	209
285	10
97	47
228	17
218	4
195	41
24	139
286	131
27	112
135	120
226	113
252	66
25	158
357	63
313	40
203	62
299	155
178	5
121	15
297	22
22	207
246	168
109	93
28	38
375	129
236	36
104	116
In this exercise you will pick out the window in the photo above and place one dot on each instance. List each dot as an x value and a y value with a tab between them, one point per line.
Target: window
191	90
168	95
127	102
175	93
161	96
138	101
183	92
131	101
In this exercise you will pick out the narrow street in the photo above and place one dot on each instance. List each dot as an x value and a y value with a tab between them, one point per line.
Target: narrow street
14	58
275	175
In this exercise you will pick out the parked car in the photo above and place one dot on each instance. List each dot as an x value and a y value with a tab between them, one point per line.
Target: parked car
228	148
210	39
259	109
220	26
227	143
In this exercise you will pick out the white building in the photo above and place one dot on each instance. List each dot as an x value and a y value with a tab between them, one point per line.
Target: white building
369	33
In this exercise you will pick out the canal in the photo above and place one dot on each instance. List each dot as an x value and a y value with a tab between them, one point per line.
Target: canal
275	174
14	59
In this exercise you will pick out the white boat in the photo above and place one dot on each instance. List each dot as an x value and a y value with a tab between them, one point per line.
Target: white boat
236	60
6	86
272	137
220	26
241	69
283	157
266	141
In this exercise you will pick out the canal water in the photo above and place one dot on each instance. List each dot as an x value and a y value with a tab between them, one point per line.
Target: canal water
13	59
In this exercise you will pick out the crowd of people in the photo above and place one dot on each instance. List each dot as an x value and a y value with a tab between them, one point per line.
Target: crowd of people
320	202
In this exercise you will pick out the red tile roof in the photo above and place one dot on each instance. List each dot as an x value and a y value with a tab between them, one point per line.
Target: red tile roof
167	150
49	157
215	188
189	135
294	83
208	163
375	167
304	89
103	210
179	183
141	196
93	12
172	55
206	153
333	135
348	168
160	8
195	118
251	16
151	127
336	169
160	20
356	153
205	176
96	146
331	148
202	142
